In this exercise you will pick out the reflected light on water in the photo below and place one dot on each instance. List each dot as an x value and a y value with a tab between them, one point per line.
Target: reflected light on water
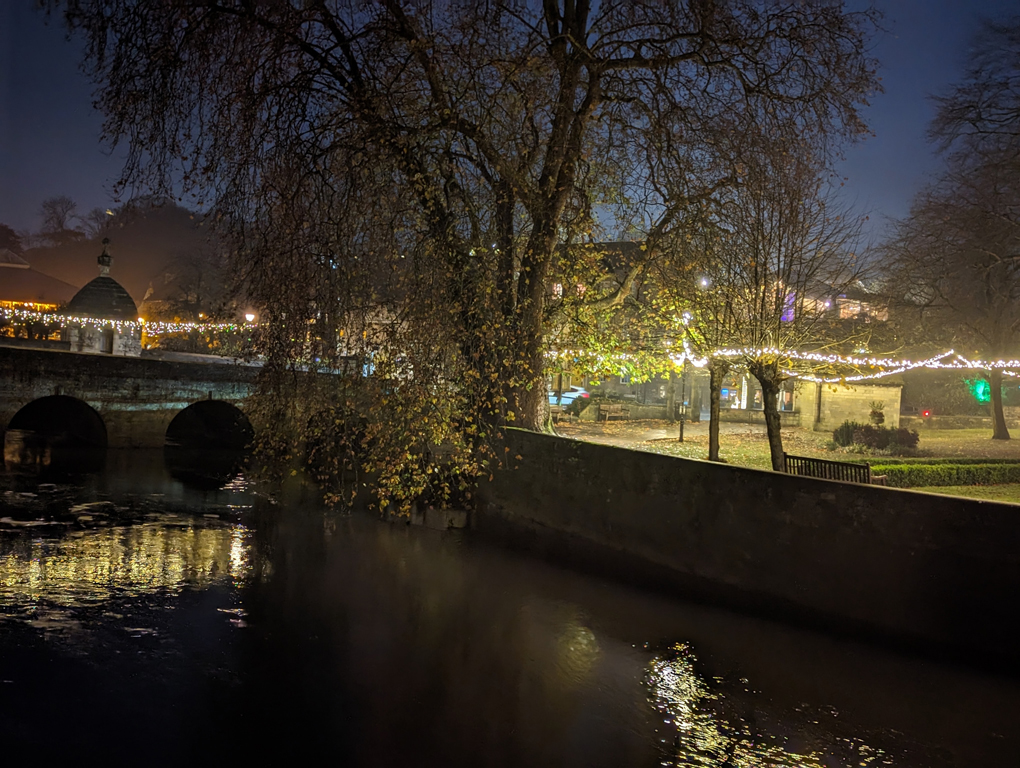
707	738
96	564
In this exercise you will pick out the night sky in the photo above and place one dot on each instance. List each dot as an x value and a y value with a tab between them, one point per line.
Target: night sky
49	133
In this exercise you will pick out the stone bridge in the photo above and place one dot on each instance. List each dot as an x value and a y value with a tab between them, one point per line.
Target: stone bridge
89	400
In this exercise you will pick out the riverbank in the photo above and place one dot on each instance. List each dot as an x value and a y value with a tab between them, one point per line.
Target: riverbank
934	574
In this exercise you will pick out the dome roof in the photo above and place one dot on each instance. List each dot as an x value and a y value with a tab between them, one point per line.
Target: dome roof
104	298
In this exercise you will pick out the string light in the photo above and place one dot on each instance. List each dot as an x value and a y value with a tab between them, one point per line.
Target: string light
881	367
151	327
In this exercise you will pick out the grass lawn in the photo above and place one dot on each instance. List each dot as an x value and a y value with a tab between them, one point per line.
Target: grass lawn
972	443
747	449
750	448
1009	492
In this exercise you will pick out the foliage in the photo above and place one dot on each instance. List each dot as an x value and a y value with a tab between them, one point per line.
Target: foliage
843	435
877	414
578	404
405	183
940	393
904	438
873	437
913	475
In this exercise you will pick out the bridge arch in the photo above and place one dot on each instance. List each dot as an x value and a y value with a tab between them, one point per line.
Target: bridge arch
61	420
210	424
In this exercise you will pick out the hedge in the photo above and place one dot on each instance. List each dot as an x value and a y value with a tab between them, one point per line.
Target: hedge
895	461
959	473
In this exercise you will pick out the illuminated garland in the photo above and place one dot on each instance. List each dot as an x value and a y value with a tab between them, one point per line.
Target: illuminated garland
950	360
152	328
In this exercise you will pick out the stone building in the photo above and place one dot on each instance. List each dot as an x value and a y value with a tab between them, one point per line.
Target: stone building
98	316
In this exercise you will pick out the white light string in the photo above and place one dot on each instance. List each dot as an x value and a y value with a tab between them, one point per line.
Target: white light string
950	360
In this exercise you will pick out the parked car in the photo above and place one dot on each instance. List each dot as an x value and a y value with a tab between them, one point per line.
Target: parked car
562	401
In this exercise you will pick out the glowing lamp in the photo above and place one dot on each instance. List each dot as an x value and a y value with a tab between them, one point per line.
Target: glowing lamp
250	317
926	413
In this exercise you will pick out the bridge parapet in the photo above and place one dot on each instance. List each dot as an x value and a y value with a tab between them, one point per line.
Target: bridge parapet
137	397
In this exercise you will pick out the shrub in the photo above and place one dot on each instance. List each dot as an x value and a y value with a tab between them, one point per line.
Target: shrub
904	438
843	435
575	406
916	475
876	438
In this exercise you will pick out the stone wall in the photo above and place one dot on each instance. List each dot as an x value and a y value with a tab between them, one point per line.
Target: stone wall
936	571
136	397
750	416
841	403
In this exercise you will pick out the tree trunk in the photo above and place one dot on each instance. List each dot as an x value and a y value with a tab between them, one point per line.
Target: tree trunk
767	375
671	397
999	430
717	370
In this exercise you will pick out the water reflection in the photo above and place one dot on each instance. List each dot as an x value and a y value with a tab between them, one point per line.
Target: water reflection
89	566
221	627
204	470
711	731
33	453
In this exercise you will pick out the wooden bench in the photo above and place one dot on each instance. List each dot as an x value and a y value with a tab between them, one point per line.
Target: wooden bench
844	471
608	411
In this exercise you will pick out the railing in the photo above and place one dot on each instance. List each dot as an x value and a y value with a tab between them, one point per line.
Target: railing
827	470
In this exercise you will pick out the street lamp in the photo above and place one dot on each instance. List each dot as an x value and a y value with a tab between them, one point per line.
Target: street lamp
683	400
250	317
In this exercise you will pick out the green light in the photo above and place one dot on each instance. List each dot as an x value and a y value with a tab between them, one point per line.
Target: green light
980	389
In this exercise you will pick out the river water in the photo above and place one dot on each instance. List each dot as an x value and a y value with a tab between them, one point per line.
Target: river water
150	618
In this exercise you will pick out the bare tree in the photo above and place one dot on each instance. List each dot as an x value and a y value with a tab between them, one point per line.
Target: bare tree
958	253
96	223
434	157
57	217
762	275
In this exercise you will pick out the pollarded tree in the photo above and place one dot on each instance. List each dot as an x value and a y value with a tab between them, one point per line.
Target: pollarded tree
423	162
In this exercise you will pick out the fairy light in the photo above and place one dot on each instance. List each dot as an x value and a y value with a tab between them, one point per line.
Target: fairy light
880	367
151	327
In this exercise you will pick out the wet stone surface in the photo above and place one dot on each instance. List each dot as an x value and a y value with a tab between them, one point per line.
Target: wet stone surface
146	619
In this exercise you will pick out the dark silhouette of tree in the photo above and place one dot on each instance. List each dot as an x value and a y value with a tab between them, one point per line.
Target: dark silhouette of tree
57	218
10	239
97	223
413	169
958	253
